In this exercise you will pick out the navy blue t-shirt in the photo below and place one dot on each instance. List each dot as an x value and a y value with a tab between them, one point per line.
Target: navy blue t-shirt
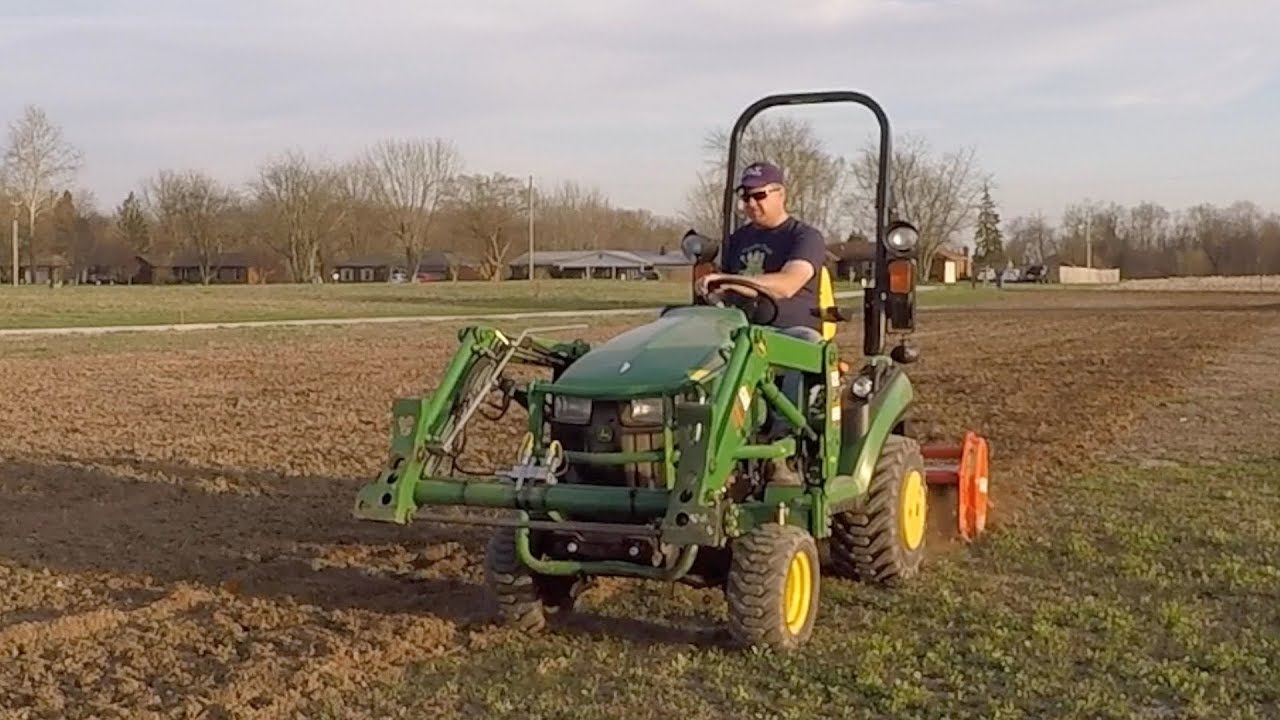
752	250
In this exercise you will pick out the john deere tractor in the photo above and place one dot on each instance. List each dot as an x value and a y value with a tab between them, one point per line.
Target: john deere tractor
645	455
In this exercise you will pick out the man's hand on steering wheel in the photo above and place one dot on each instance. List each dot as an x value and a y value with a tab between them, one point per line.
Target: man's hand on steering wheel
700	286
753	294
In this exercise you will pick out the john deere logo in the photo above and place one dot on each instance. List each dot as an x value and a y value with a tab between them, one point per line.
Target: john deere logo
405	424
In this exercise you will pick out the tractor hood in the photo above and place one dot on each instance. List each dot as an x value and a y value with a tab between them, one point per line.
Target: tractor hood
683	345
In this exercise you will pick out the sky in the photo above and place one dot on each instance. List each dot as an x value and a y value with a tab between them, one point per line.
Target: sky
1170	101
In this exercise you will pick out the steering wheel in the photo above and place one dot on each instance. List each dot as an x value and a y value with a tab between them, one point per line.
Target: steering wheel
749	303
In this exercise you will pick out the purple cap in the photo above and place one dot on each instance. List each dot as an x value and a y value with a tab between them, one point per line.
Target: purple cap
760	174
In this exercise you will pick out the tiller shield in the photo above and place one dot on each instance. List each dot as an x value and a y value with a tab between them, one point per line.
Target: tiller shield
970	473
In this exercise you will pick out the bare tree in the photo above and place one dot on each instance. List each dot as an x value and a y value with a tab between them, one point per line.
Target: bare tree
1244	220
304	204
488	209
1031	239
1208	232
570	216
1147	226
939	194
815	177
194	213
1269	245
703	202
37	162
408	181
362	226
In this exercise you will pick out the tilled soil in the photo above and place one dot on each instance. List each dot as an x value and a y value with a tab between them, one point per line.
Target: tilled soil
1228	413
176	539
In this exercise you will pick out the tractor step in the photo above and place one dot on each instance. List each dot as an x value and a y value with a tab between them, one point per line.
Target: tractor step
969	471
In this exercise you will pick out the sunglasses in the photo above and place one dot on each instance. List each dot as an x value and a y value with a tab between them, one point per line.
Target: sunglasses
758	195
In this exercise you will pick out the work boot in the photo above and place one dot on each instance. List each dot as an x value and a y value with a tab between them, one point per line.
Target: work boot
778	473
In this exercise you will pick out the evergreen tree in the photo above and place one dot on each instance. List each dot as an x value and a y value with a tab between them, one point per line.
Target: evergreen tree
131	222
988	241
64	223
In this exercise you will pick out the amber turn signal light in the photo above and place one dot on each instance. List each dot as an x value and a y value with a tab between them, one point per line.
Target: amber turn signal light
901	276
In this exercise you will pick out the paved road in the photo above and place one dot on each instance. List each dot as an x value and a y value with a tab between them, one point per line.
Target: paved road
188	327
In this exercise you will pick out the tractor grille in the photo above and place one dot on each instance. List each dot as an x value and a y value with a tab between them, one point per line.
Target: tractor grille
642	474
606	433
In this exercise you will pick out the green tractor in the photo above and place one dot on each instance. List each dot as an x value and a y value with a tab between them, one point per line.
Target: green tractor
645	455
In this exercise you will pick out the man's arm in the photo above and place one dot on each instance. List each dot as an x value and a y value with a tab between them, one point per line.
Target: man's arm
789	280
781	285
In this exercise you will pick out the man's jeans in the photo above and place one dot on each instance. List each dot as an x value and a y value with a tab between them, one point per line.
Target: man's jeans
791	379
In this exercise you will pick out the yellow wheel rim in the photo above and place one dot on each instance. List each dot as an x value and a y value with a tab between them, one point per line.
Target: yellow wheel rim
911	516
798	592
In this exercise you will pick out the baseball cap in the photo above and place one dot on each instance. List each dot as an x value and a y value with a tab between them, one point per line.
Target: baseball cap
760	174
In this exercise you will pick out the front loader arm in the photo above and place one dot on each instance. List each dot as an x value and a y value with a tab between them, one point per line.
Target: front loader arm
423	427
714	437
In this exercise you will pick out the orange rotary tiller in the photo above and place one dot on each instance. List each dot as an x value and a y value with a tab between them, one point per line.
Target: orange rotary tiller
970	473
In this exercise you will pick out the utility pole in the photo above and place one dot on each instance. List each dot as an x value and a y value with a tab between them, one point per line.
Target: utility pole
15	242
1088	240
1088	232
530	227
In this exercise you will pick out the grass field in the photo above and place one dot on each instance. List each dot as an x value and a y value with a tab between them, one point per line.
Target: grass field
175	537
85	306
146	305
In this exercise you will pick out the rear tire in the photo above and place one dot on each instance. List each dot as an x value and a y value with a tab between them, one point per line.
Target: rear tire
773	587
882	538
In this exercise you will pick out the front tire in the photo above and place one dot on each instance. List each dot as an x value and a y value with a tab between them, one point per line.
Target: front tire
523	597
773	587
882	538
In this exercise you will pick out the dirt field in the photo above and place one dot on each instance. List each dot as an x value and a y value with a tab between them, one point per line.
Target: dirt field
175	538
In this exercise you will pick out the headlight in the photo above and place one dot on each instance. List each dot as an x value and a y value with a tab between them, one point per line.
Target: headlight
861	387
902	237
643	412
576	411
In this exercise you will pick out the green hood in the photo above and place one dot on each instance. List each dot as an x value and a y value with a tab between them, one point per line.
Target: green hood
682	346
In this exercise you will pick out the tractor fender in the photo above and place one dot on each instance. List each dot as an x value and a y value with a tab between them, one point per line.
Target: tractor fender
861	446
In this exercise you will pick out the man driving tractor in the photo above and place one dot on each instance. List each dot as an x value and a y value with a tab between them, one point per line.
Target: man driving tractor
785	256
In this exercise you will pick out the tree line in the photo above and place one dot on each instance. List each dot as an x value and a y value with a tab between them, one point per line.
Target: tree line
1147	240
398	197
404	197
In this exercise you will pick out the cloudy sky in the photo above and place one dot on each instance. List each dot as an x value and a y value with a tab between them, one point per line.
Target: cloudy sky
1175	101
